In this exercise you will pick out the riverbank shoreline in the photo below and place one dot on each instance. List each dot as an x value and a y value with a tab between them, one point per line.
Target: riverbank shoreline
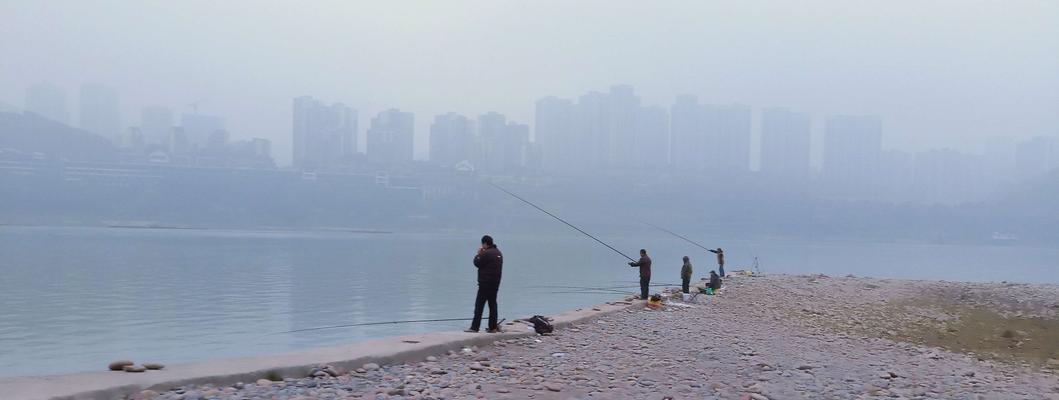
116	385
772	337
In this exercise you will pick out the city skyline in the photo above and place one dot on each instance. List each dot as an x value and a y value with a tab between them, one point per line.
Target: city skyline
990	71
730	138
207	122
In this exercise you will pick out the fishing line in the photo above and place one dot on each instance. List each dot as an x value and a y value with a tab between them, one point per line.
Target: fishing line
560	220
676	234
597	287
584	292
318	328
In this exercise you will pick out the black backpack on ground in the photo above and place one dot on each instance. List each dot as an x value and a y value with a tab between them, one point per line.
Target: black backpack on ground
541	325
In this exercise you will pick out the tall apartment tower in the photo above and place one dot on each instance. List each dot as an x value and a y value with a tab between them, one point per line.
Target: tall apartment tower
452	140
391	137
785	143
323	135
687	138
554	133
727	137
852	147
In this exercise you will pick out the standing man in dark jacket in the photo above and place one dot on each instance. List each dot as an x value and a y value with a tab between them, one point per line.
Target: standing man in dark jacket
490	263
645	272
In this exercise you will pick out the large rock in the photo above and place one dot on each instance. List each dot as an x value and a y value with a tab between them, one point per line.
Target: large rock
153	366
119	365
134	368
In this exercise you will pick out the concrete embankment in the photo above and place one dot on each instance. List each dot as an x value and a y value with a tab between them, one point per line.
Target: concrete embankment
118	385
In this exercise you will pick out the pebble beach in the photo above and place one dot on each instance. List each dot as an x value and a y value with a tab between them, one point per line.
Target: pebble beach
761	337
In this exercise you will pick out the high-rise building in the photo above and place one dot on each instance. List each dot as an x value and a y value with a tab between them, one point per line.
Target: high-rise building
1000	159
554	133
785	143
727	135
48	101
323	135
852	145
687	142
1035	157
99	110
652	138
592	133
947	177
198	128
492	127
621	109
178	141
451	140
391	137
156	123
896	176
608	130
513	146
262	147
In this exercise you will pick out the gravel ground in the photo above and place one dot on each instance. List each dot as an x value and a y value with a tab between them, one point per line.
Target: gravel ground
776	337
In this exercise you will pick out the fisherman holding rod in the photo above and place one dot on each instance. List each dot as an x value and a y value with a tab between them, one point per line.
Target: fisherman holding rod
645	272
720	259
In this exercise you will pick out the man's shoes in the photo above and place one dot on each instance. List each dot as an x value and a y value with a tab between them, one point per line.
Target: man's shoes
471	330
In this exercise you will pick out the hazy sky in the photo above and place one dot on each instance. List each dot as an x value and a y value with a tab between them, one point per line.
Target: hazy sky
940	73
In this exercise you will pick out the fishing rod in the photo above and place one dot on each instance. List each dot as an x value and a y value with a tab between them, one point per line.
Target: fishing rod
597	287
318	328
592	291
677	235
583	292
637	283
560	220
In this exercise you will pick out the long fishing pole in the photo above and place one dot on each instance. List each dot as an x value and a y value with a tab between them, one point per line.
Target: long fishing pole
560	220
677	235
583	292
597	287
605	291
318	328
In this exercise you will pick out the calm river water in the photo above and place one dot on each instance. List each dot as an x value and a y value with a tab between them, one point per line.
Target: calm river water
74	299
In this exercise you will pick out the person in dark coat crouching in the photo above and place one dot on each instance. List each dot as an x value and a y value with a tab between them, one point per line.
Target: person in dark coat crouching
490	263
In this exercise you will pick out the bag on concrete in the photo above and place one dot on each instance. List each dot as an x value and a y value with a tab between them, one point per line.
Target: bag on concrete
541	325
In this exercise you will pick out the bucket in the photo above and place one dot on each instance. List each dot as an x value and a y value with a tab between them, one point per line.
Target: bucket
686	297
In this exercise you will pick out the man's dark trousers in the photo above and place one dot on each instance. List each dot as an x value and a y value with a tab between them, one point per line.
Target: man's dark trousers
684	285
645	281
486	293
